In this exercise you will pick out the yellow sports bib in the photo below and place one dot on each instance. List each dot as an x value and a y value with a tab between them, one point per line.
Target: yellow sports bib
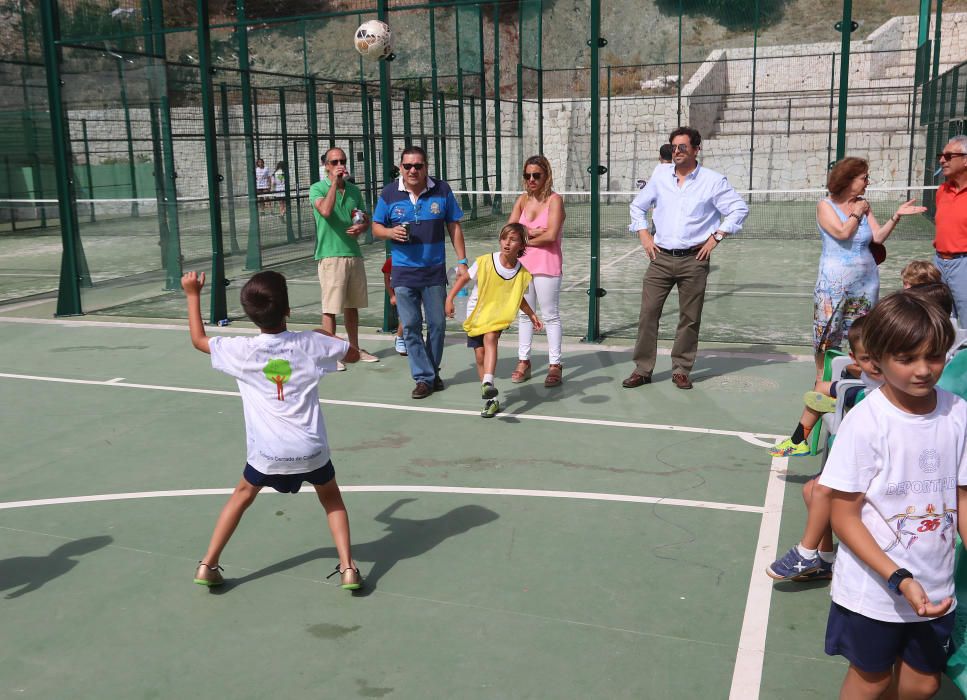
498	300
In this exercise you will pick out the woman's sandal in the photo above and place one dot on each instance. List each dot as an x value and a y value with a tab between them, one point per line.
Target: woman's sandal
351	579
522	373
553	376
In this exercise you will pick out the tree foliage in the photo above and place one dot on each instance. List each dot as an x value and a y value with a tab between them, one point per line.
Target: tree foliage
734	14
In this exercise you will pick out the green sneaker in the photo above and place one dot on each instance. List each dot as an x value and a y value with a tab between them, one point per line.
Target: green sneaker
488	390
819	402
788	448
490	408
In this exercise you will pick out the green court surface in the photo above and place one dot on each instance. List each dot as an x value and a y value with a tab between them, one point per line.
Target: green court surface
589	541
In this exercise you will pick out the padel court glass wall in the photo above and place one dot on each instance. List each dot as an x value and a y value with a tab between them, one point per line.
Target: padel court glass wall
130	136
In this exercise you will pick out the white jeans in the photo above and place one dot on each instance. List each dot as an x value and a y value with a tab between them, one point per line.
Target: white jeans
544	292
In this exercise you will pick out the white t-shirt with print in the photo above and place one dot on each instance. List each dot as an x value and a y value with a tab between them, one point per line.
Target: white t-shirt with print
278	376
261	178
506	272
908	466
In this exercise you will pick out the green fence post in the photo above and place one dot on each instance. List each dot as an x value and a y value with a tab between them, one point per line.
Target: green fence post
678	88
69	289
496	209
755	51
483	112
607	132
540	109
369	164
407	120
219	305
256	123
13	207
229	175
331	106
313	118
462	132
438	156
298	189
390	319
936	39
595	292
87	169
846	28
473	156
253	248
283	124
443	137
832	103
130	138
157	170
520	115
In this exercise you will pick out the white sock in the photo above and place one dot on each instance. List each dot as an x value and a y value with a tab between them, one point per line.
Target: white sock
806	553
828	557
488	379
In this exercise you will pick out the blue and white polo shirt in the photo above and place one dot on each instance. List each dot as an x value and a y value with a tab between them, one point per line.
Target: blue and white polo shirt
421	262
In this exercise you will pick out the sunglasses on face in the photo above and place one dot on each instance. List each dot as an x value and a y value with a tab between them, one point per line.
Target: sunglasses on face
680	148
950	156
337	161
533	176
413	166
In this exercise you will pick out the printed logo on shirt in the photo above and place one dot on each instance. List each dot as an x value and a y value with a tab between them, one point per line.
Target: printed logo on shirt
929	461
278	372
398	213
909	526
434	208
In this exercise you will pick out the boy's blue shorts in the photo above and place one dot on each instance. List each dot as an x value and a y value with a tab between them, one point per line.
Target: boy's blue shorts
873	645
289	483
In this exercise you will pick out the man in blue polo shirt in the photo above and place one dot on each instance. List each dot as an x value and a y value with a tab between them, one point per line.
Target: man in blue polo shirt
419	276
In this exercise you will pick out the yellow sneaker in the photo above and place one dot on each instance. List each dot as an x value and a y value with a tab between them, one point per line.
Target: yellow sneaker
819	402
788	448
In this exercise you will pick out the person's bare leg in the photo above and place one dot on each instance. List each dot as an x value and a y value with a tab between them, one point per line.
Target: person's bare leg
329	323
820	358
331	499
490	353
478	356
817	532
912	684
860	685
241	498
350	318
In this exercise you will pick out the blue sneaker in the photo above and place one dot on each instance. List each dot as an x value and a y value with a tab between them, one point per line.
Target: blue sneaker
823	573
792	565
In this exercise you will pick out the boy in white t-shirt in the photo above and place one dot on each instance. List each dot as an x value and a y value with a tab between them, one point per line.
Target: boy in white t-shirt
278	373
898	470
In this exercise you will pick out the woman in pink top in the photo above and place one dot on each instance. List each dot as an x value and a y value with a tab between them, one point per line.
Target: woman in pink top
541	211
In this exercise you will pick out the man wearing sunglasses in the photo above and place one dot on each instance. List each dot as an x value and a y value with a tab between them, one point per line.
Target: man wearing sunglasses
417	213
342	275
694	210
951	224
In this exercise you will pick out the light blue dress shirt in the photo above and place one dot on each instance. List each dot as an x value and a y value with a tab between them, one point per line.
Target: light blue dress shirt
686	216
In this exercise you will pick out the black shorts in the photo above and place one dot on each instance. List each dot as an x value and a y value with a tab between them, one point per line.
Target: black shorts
873	645
290	483
476	341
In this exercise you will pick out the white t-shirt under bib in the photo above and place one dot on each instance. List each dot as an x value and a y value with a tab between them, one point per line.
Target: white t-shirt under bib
506	272
278	377
908	466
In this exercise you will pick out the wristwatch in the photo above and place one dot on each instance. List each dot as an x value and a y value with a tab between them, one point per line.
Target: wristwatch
718	236
894	581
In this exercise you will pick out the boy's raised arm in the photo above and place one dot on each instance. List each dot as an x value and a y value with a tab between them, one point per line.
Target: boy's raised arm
192	283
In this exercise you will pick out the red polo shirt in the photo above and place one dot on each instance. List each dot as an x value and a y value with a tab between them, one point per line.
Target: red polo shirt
951	220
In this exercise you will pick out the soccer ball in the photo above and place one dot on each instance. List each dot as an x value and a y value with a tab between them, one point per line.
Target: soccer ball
374	40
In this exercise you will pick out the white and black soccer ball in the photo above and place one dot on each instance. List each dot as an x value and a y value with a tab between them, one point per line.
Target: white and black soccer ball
374	40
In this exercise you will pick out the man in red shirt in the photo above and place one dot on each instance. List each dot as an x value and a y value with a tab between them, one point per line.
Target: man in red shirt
951	224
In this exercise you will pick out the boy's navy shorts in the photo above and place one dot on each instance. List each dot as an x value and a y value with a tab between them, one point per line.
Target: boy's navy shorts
873	645
290	483
476	341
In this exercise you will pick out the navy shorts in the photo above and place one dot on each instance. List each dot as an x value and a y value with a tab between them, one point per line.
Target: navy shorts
873	645
476	341
289	483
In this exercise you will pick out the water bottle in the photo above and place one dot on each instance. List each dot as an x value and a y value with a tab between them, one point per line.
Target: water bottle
358	217
463	295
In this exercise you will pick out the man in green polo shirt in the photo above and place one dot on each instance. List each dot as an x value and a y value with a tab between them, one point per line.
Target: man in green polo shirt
341	272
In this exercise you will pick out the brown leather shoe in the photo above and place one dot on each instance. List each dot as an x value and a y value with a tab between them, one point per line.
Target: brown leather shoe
636	380
421	391
681	380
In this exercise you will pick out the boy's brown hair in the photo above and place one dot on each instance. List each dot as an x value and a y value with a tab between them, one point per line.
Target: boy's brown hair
919	272
904	322
937	292
855	334
521	233
265	298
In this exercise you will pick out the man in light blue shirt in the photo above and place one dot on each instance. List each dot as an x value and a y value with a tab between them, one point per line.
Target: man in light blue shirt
694	210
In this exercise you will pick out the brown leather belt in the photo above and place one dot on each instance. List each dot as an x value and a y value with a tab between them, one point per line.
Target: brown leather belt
950	256
680	253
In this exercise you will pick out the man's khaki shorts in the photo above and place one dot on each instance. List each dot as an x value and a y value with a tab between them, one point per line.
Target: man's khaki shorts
343	282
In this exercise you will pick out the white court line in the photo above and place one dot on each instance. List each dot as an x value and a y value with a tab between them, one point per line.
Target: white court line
747	674
28	274
81	322
576	495
612	263
752	438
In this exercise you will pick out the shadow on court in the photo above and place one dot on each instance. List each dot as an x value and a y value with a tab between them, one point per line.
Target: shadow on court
27	574
406	539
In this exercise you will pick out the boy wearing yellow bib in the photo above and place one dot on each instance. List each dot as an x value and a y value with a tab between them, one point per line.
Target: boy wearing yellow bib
501	282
